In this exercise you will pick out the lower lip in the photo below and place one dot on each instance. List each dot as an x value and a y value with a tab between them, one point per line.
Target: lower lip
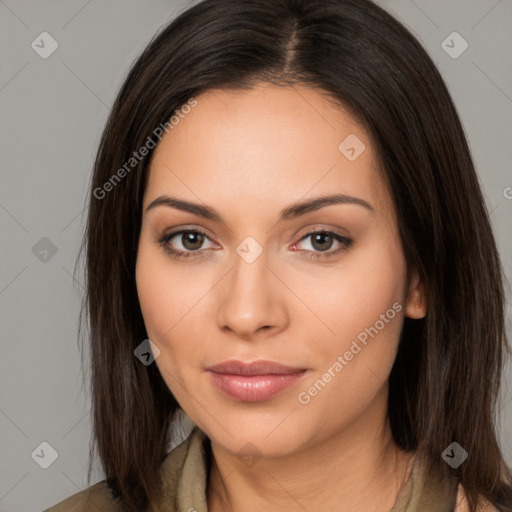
253	388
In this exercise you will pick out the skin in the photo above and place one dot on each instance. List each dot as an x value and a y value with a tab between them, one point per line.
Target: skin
249	154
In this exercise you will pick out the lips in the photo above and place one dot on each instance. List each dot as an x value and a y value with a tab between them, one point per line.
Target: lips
253	382
261	367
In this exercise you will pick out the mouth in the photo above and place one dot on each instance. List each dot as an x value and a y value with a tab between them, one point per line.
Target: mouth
253	382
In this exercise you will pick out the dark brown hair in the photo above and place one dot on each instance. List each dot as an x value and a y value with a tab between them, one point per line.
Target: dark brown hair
445	380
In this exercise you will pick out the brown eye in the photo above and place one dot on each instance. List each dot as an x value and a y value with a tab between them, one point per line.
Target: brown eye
185	243
192	240
321	243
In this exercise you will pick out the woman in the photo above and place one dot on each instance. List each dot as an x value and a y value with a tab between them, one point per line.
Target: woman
287	241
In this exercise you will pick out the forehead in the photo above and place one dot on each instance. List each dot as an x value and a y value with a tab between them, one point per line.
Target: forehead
268	144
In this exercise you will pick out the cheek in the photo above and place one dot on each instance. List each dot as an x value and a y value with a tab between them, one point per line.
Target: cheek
154	291
164	301
351	295
373	284
164	294
171	300
361	303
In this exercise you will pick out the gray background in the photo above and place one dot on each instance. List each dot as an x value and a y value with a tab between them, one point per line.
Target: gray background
53	111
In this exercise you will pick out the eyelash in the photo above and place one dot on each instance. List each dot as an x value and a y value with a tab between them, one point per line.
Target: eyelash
346	243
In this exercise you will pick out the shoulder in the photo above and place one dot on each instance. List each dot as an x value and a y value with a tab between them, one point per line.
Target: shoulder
93	499
176	465
461	504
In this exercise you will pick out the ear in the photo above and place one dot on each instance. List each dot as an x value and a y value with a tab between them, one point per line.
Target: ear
416	303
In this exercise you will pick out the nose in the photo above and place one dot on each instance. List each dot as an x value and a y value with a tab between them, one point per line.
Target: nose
252	300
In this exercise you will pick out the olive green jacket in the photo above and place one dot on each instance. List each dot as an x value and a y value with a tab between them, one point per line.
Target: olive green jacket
185	473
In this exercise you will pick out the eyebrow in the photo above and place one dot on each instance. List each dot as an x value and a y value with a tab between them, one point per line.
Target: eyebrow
290	212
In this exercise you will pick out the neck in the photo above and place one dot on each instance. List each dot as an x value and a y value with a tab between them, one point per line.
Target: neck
358	469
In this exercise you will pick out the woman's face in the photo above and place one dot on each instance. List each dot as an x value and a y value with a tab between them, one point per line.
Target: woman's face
257	285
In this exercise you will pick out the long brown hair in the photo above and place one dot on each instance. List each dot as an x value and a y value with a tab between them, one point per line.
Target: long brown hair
445	380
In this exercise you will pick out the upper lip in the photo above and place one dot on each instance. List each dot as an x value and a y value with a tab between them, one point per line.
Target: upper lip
261	367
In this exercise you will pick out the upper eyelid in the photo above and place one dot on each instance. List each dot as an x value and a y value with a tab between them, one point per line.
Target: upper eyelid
345	238
178	232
